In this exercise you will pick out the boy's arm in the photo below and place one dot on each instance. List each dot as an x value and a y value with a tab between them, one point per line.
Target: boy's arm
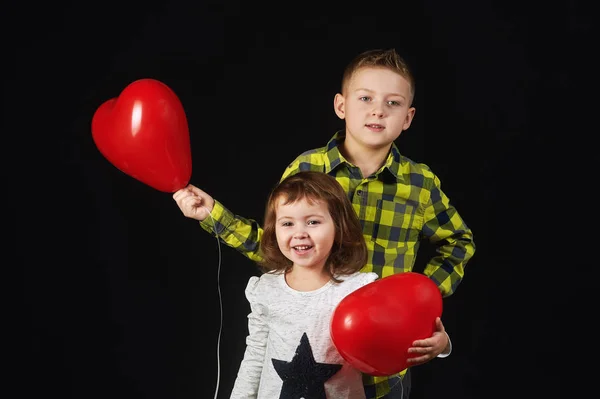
444	227
235	231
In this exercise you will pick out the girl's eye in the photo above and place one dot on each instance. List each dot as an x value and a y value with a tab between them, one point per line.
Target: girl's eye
365	98
286	224
394	103
311	222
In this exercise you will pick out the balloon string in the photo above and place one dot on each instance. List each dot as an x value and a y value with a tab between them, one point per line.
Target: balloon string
220	305
394	386
401	387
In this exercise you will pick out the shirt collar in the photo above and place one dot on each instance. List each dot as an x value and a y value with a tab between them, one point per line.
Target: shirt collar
335	157
333	154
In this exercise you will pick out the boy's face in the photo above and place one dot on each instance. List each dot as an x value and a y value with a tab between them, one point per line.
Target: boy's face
376	107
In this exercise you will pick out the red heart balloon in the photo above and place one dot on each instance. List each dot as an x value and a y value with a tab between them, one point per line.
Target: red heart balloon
144	133
373	327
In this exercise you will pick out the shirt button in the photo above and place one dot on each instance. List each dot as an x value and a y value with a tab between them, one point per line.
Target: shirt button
359	192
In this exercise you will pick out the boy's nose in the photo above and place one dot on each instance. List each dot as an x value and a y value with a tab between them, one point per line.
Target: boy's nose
377	111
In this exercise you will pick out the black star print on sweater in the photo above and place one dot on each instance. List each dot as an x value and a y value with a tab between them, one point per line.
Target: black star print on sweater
303	377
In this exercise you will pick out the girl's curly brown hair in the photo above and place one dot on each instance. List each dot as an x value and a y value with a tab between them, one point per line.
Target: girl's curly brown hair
349	251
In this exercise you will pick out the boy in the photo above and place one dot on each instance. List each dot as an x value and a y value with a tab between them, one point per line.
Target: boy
398	201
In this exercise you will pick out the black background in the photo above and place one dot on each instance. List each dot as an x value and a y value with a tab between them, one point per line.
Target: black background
121	292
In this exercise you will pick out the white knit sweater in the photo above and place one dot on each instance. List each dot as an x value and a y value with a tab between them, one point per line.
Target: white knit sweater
289	351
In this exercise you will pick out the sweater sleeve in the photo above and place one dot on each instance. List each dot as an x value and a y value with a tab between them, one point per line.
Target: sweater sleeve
249	373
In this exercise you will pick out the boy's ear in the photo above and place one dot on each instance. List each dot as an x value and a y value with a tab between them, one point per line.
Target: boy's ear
339	104
409	117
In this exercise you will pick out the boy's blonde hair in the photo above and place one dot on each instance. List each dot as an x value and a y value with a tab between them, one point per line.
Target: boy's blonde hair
349	251
388	59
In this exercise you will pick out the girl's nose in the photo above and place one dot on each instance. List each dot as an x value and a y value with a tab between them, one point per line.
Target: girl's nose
300	234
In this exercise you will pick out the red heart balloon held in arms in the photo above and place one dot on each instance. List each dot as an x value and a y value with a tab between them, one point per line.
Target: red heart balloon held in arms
144	133
374	326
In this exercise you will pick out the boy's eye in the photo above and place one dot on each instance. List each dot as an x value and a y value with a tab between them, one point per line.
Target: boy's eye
394	103
365	98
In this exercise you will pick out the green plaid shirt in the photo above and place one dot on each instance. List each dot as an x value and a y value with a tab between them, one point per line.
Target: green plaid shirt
398	206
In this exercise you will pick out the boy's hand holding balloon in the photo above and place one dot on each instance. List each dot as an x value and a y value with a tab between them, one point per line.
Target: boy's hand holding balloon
193	202
424	350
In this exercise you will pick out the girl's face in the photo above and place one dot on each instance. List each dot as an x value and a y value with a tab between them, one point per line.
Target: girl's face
305	232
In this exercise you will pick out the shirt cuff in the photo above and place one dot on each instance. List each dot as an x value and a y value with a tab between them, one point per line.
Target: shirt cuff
218	220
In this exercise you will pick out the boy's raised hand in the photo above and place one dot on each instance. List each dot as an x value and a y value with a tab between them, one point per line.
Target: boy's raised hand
429	348
193	202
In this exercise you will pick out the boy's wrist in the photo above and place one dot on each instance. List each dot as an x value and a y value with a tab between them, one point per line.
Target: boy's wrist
448	349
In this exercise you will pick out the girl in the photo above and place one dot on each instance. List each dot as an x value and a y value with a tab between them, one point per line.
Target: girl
313	248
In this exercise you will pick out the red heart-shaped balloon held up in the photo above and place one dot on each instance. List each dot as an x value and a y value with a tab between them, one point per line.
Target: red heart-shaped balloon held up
144	133
374	326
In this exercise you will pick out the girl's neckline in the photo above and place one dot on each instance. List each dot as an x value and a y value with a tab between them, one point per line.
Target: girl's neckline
305	293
